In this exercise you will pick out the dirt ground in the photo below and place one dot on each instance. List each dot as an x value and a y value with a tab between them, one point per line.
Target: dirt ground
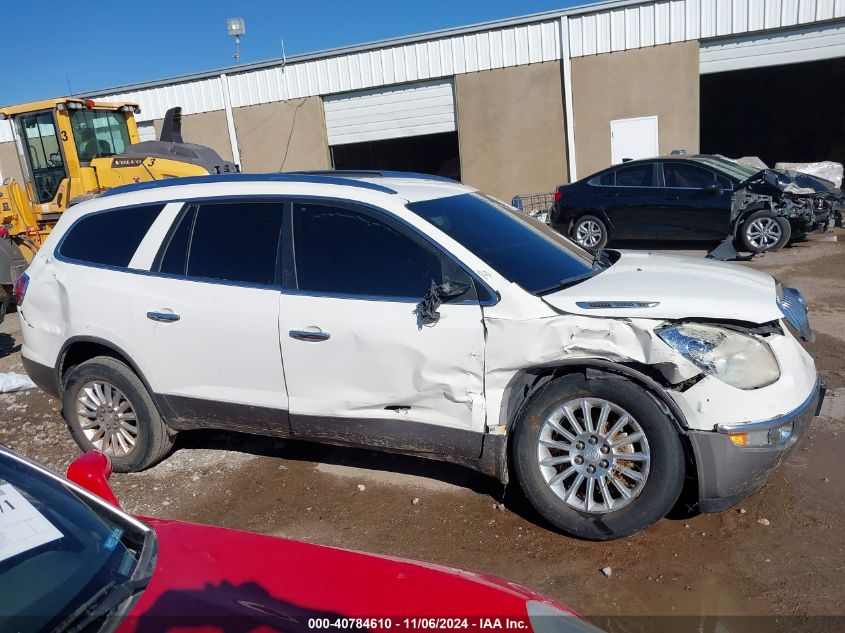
780	553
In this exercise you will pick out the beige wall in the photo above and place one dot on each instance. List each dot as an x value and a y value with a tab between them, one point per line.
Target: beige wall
511	129
661	81
207	128
9	165
282	136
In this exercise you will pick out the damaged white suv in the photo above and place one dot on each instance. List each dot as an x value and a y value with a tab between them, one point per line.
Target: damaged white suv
413	314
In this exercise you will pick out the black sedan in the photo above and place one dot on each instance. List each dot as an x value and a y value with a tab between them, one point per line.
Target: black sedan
702	197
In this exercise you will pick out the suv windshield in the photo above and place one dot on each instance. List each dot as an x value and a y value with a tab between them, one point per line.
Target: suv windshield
58	549
522	250
99	133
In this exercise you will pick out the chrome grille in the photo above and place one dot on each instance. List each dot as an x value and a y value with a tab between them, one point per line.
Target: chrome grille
794	308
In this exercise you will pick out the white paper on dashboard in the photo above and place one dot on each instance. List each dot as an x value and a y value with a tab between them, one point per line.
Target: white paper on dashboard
22	527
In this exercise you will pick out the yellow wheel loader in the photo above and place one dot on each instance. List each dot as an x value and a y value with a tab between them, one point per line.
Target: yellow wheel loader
72	149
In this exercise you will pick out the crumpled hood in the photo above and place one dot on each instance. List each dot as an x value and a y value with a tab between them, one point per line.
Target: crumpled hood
674	287
789	181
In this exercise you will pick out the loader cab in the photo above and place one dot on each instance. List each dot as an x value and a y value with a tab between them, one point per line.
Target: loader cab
42	147
58	140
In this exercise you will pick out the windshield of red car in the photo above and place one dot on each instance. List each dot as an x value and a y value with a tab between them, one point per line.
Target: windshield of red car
520	248
57	548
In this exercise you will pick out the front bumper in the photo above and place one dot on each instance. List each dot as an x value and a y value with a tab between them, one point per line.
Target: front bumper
728	473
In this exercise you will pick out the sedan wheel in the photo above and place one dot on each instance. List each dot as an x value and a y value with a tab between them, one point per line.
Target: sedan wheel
593	455
763	233
107	418
590	232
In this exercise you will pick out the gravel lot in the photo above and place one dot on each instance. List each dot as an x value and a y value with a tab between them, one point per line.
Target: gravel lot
780	553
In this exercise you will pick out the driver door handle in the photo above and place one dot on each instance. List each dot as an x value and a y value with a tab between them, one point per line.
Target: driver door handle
166	317
312	337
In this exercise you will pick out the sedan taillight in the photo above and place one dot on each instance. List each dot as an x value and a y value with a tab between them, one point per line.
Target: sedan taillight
558	196
20	288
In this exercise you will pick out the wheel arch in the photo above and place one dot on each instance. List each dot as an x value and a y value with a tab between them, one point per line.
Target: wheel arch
78	349
597	212
527	382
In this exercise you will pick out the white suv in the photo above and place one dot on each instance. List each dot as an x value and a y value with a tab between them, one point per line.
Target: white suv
414	314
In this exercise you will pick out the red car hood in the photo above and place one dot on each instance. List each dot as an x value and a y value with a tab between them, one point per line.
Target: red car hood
211	578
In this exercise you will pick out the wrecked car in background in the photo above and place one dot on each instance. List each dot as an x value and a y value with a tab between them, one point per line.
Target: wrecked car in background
406	313
696	198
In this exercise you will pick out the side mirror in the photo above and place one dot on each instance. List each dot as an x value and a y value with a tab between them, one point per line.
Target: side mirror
714	189
92	472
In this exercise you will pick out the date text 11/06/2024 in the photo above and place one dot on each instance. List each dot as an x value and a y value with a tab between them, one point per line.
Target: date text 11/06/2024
515	623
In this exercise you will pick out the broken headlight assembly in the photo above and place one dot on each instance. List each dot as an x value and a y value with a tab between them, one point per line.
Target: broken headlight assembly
740	360
793	306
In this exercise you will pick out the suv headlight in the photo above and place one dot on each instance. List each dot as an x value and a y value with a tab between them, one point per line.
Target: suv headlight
740	360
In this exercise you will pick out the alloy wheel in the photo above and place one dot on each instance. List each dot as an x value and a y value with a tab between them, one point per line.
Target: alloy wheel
764	233
593	455
588	234
107	418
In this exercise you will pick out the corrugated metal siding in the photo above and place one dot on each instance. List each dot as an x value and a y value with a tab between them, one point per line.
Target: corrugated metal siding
204	95
417	61
752	51
395	112
681	20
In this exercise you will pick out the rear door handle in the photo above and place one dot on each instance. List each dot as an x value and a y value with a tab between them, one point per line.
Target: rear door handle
167	317
671	197
312	337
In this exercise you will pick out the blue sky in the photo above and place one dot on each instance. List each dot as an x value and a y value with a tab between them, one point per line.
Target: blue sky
97	44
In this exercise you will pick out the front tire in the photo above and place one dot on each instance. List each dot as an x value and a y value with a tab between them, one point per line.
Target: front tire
597	458
762	232
107	408
590	232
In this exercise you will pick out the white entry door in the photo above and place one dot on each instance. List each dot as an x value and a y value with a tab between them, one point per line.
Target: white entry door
633	138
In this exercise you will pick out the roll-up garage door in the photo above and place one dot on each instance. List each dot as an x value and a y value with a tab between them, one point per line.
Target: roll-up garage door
416	109
805	44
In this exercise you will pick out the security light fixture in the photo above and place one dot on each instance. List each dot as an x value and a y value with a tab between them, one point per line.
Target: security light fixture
236	28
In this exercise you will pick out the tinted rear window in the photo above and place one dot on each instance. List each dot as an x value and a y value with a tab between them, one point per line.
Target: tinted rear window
522	250
109	238
205	245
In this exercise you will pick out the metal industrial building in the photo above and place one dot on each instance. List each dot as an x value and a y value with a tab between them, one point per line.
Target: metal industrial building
518	106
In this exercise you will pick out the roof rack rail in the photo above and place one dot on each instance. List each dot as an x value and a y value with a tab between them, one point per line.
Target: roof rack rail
324	178
374	173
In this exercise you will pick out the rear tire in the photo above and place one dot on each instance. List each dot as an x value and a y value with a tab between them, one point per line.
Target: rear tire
107	408
652	477
763	232
590	232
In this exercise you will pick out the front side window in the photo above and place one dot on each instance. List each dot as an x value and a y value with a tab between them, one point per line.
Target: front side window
523	250
109	238
99	133
635	176
685	176
346	251
204	244
59	550
41	141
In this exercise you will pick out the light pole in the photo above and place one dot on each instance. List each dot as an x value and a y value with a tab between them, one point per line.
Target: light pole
236	28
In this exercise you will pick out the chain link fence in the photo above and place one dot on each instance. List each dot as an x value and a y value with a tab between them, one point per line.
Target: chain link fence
537	205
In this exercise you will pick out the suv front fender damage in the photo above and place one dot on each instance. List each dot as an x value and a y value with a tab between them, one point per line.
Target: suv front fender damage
543	344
